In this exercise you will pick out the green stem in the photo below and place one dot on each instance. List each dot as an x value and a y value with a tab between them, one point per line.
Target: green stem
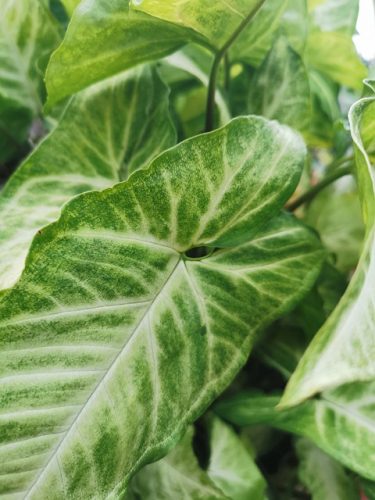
311	193
210	110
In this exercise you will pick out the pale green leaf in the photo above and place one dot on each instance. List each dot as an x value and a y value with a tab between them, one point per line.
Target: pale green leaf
280	87
344	349
295	24
334	54
336	214
336	15
323	477
178	475
106	133
70	5
113	341
231	466
215	22
103	39
341	422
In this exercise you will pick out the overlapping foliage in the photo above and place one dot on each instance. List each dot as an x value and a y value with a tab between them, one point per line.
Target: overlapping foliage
181	296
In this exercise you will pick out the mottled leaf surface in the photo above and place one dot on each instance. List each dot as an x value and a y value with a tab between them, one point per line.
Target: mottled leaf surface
280	87
323	477
231	467
113	341
28	34
106	133
215	22
178	475
340	422
344	349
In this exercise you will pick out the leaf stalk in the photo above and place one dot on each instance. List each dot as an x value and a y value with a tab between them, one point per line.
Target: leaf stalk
220	54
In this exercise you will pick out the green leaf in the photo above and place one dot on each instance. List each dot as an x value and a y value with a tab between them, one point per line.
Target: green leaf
106	133
113	342
178	475
28	34
331	15
213	23
336	214
294	24
323	477
103	39
280	87
195	61
334	54
340	422
231	466
70	5
344	349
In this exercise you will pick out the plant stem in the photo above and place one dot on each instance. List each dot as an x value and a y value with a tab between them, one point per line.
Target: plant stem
311	193
210	110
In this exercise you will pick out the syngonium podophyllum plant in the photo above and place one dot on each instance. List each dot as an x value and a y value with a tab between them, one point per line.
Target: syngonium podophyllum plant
187	294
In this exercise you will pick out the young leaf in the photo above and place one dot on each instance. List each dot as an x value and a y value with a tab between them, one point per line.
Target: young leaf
231	466
178	475
344	349
323	477
340	422
106	133
103	39
331	15
28	34
113	341
280	87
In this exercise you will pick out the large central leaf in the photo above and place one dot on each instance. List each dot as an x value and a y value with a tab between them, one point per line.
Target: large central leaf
113	341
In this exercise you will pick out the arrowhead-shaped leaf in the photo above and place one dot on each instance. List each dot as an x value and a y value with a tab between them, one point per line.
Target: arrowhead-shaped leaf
104	135
340	422
113	341
344	349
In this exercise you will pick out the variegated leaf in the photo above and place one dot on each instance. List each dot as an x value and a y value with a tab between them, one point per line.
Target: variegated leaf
344	349
104	135
113	340
28	34
341	422
280	87
178	475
